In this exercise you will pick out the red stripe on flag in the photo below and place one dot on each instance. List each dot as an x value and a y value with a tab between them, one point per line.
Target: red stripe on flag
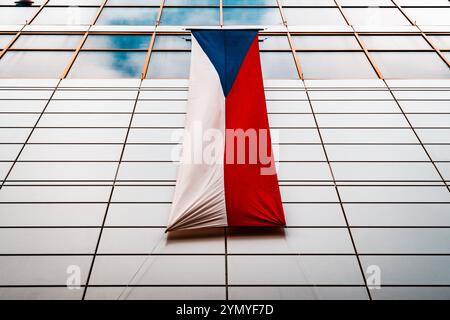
252	197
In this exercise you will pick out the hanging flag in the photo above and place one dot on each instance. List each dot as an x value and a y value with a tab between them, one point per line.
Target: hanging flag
227	174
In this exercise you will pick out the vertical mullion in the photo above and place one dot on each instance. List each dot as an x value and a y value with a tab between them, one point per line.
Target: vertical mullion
29	134
361	44
330	168
102	227
427	39
38	11
11	42
99	11
75	55
291	42
369	57
296	57
417	136
158	18
221	13
152	41
283	17
147	58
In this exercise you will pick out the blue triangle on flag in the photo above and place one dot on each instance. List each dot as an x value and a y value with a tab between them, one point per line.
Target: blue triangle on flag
226	49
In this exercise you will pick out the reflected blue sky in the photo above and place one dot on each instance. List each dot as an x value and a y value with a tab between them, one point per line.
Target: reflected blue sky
117	42
133	3
128	16
192	2
174	42
251	16
107	64
250	2
190	16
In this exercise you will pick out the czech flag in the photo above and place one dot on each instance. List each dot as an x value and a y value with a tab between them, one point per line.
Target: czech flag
227	174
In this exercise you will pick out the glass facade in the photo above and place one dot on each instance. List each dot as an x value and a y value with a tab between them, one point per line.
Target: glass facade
358	97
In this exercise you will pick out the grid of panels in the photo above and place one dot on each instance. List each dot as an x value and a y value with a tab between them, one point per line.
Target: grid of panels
367	39
85	170
87	180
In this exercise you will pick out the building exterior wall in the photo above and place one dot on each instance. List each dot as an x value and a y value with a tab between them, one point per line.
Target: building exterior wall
87	175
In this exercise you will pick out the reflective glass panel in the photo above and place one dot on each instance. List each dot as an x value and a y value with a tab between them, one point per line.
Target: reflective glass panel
403	42
326	42
133	3
411	65
29	64
169	65
75	2
108	65
20	15
128	16
248	16
442	42
319	3
335	65
66	16
190	16
40	41
313	16
117	42
177	42
273	43
191	3
429	16
249	3
279	65
4	39
375	16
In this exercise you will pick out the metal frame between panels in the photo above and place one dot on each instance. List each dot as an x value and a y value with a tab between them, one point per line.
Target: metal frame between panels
287	32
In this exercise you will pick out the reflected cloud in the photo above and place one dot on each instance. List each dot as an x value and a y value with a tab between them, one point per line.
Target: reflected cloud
190	16
108	65
252	16
128	16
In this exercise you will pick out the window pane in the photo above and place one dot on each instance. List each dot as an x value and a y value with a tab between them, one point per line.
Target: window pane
16	15
191	3
128	16
403	42
66	16
13	2
47	42
28	64
190	16
117	42
133	3
273	43
169	65
429	16
375	16
336	65
75	2
298	3
366	3
108	65
411	65
250	3
256	16
279	65
174	42
326	42
314	16
442	42
4	40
